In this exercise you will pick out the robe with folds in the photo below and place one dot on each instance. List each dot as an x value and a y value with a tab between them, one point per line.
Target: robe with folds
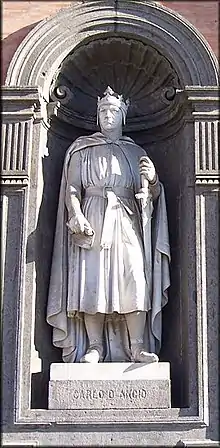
112	277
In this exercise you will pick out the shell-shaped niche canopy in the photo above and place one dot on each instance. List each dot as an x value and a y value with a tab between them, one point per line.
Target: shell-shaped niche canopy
129	67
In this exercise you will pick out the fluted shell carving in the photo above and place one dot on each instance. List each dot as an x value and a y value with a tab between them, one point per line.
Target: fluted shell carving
130	67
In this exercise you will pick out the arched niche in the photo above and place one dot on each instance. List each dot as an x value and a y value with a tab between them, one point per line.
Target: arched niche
54	57
44	49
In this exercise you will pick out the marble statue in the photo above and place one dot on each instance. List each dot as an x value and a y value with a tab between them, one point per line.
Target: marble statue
110	266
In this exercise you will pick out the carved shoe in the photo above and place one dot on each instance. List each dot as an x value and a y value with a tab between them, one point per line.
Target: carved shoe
93	355
138	354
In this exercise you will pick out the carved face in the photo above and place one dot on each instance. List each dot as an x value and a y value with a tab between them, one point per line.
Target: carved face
110	117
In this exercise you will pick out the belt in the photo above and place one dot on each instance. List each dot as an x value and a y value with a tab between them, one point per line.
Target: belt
113	196
103	192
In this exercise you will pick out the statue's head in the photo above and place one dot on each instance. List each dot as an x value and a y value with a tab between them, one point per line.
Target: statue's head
111	110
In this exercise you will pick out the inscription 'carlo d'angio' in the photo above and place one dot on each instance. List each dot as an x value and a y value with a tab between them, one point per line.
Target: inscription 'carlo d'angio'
81	394
99	394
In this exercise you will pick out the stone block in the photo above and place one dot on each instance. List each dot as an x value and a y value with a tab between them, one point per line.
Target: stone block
109	385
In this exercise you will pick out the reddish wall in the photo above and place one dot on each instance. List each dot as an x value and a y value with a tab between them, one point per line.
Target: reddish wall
204	15
20	17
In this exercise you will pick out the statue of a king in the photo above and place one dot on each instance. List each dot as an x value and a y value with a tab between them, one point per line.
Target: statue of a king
110	266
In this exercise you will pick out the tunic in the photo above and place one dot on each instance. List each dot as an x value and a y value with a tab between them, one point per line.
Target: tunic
111	279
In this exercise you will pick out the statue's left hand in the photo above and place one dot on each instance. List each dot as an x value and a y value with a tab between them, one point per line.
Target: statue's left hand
147	169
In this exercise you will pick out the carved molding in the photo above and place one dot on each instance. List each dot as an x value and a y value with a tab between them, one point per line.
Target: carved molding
16	180
210	181
206	148
21	109
16	144
20	103
15	139
204	101
203	112
201	294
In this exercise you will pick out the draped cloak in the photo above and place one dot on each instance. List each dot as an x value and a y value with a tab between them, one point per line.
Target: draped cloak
114	278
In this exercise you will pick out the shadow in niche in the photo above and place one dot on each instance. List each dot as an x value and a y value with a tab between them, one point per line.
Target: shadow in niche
40	245
168	167
167	157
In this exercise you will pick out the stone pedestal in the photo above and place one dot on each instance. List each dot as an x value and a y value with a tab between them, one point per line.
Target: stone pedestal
109	385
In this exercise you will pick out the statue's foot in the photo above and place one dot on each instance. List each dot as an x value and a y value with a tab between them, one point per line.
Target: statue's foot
140	355
92	356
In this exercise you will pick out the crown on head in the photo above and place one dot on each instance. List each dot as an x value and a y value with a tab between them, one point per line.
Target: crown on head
111	97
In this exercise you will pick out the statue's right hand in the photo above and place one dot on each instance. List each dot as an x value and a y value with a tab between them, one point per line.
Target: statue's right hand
76	223
79	224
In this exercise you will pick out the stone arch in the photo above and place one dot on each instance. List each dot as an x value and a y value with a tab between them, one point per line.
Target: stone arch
43	50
